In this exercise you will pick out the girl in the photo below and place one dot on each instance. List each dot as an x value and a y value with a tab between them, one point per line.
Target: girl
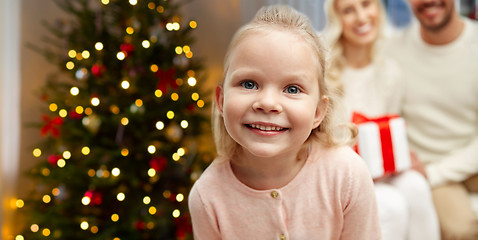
369	84
280	173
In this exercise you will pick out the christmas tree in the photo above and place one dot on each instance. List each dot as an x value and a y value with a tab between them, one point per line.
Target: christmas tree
123	127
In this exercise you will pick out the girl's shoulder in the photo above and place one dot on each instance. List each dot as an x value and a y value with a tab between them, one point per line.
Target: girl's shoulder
340	158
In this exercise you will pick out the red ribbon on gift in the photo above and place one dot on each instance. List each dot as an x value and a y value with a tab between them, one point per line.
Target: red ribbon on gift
385	136
51	126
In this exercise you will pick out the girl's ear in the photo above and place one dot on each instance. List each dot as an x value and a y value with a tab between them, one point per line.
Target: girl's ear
220	99
320	111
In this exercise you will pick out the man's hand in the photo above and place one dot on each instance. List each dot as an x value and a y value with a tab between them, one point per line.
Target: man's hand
418	165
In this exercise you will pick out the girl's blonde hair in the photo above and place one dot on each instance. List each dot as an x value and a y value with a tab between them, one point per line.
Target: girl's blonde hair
283	18
333	38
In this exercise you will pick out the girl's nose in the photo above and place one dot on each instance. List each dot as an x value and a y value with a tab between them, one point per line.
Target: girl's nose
267	101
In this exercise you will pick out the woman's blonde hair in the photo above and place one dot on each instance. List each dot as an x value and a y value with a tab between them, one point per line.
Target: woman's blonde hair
283	18
332	35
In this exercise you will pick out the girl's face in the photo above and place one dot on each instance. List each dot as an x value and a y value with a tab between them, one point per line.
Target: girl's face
359	21
270	97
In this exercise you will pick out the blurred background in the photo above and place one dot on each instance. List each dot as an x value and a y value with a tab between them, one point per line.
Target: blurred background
35	73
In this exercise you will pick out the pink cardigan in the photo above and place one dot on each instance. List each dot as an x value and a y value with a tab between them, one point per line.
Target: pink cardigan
332	197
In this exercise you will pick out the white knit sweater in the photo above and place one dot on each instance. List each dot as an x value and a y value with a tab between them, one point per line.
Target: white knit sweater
441	102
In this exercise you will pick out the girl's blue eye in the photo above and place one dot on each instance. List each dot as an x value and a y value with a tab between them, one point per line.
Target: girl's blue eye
292	90
249	85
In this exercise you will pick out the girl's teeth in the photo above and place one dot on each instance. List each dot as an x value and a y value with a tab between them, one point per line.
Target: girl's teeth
266	128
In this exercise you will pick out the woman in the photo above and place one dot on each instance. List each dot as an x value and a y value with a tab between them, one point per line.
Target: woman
369	83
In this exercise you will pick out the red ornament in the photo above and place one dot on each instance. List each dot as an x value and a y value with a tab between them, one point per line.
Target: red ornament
140	225
74	115
97	69
183	226
51	125
96	198
158	164
127	48
166	78
53	159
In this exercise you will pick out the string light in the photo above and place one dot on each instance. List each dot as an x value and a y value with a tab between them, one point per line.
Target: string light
45	172
114	109
154	68
170	114
133	2
129	30
85	150
151	172
124	152
179	197
79	109
74	91
124	121
55	192
193	24
19	203
105	2
95	101
152	210
99	46
66	154
120	196
114	217
160	125
138	102
34	228
63	113
85	54
70	65
115	172
72	53
184	124
151	5
61	163
84	225
88	111
192	81
46	198
178	50
176	213
176	157
174	96
151	149
146	44
86	200
46	232
19	237
160	9
125	84
158	93
200	103
181	151
53	107
36	152
94	229
120	56
146	200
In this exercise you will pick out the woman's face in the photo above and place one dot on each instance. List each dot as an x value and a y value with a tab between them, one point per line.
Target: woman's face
360	20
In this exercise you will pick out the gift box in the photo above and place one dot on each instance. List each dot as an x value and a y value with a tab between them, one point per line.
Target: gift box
382	143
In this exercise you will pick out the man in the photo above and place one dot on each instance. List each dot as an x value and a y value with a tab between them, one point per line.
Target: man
439	59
